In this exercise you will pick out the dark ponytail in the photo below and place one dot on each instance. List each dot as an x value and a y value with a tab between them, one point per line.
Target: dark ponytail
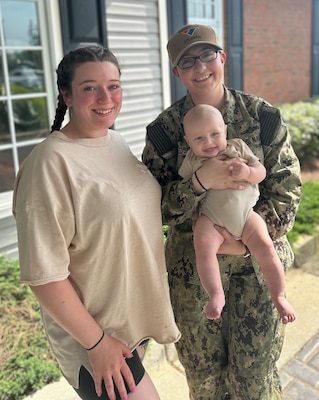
59	114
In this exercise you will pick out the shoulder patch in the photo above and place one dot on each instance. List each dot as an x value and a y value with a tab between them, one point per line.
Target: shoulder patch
269	121
161	141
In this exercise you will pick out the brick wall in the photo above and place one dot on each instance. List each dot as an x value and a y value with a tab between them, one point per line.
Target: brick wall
277	49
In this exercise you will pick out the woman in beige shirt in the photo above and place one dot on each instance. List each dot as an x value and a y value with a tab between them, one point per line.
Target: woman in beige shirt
90	238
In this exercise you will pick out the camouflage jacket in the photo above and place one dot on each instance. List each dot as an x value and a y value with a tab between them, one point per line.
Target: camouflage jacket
261	126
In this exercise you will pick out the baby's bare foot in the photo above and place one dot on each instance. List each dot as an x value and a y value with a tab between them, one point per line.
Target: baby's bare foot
286	310
287	318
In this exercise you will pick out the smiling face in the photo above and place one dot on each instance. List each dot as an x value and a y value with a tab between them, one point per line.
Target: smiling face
95	99
205	131
203	79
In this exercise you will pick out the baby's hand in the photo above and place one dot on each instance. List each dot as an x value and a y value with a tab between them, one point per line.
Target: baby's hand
239	170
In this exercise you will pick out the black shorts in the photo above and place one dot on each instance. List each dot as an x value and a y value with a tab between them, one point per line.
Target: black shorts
86	388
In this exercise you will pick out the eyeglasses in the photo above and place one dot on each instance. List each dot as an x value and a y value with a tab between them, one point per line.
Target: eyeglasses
206	57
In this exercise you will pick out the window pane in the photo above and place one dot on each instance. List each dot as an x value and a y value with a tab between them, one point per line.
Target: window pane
4	123
25	71
6	171
20	23
201	9
30	118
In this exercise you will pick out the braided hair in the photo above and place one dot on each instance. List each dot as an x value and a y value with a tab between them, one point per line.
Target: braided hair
65	73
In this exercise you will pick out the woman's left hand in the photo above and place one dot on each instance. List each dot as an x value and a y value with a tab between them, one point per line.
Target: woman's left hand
230	245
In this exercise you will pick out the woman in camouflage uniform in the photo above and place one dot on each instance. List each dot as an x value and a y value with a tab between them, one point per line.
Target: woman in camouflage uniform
235	356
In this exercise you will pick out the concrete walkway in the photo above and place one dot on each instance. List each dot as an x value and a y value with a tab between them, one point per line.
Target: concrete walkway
299	362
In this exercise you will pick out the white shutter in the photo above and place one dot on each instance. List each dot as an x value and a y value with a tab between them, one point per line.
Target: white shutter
133	36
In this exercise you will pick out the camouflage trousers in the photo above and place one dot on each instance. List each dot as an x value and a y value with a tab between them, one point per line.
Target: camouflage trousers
233	358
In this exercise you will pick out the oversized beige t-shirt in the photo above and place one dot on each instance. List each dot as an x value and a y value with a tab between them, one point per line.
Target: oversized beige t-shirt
228	208
89	211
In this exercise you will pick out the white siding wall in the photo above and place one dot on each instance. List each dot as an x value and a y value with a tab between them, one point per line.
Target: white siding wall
133	35
8	234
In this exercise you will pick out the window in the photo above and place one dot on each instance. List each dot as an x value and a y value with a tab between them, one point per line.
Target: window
201	9
206	12
24	111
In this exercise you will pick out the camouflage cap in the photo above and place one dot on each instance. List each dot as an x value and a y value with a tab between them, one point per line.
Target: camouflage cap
187	37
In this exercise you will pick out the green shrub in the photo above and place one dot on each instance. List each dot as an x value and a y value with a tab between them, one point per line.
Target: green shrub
302	119
26	361
307	218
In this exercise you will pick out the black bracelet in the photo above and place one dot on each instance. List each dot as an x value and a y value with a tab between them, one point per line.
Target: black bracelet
91	348
195	173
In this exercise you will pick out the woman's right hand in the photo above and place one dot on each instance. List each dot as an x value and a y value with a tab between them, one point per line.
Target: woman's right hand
230	245
221	177
108	363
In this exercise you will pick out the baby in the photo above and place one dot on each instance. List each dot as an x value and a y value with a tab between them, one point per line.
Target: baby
205	133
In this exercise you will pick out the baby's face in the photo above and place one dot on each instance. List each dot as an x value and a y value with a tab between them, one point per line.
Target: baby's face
206	136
